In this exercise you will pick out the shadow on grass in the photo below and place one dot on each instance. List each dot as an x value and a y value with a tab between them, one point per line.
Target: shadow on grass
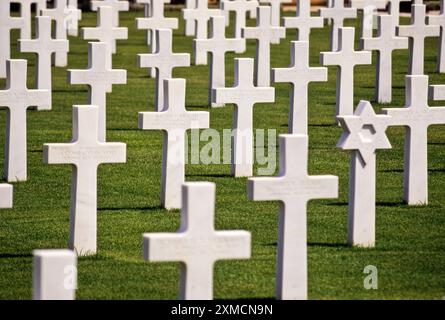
15	255
317	244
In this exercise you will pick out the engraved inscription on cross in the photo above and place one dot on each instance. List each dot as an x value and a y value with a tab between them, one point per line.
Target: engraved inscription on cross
174	120
294	188
44	46
217	44
299	74
164	61
346	58
197	245
303	20
17	98
417	116
244	94
100	79
265	34
85	153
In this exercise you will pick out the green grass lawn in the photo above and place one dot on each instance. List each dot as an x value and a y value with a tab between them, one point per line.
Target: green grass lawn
410	249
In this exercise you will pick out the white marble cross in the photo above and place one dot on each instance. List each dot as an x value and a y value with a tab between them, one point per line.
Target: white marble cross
439	20
417	31
44	46
7	23
85	153
299	74
265	35
337	13
364	133
416	116
116	7
100	79
197	245
437	92
25	13
105	31
275	10
164	61
217	44
147	14
240	7
190	24
368	8
244	94
75	15
6	195
394	10
201	15
17	98
156	21
61	15
174	120
294	188
54	274
303	21
346	58
385	43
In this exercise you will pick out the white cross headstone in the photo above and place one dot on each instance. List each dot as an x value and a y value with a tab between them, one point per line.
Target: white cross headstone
417	31
174	120
164	61
201	15
44	46
244	94
385	43
85	153
147	14
439	20
7	23
116	7
75	15
345	58
299	74
303	20
156	21
61	15
25	13
54	274
100	79
368	8
364	133
294	188
105	31
265	35
190	24
337	13
17	98
6	195
240	7
197	245
394	10
417	116
275	10
217	44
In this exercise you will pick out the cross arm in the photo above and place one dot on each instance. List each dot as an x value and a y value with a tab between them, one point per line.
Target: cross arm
232	245
163	247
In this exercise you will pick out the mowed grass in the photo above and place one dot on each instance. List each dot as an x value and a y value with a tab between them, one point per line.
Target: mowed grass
410	249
